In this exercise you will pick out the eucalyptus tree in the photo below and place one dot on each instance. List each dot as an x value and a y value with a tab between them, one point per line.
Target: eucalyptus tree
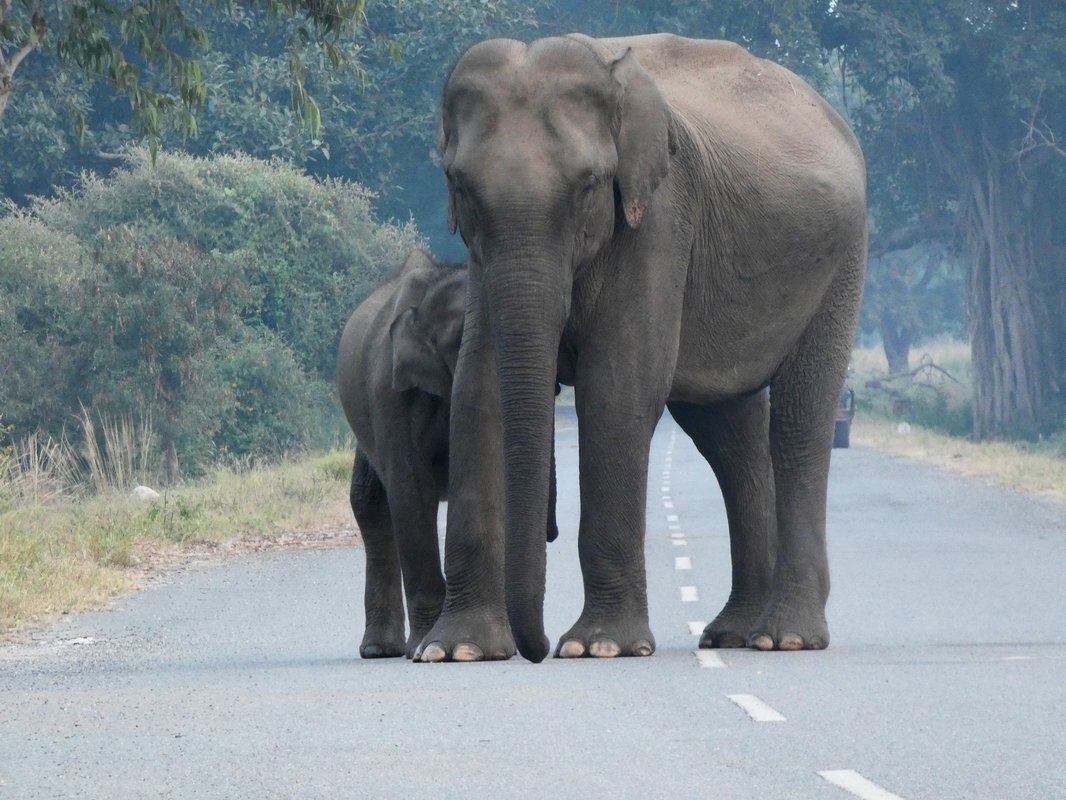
145	49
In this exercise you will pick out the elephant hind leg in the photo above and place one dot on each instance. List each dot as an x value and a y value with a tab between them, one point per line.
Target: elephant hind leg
383	595
732	436
803	400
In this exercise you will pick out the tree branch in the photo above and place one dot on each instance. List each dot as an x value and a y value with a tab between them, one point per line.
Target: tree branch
19	54
8	66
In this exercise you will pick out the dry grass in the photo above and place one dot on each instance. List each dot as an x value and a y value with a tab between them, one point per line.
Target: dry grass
952	355
119	453
35	471
943	397
71	537
1001	463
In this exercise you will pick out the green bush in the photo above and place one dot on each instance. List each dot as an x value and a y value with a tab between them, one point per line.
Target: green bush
272	404
206	293
42	352
937	412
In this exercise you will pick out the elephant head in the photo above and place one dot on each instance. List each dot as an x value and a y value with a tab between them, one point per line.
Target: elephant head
551	151
427	325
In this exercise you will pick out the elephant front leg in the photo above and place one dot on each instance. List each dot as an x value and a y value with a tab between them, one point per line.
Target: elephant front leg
732	436
473	625
413	502
383	636
613	449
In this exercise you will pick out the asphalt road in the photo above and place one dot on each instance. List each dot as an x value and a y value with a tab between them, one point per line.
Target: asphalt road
946	677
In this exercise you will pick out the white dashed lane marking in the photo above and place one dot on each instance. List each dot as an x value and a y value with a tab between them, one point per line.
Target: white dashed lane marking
851	781
689	594
709	659
756	708
678	542
696	627
682	562
672	518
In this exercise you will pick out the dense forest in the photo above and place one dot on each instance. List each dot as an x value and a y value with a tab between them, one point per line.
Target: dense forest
198	193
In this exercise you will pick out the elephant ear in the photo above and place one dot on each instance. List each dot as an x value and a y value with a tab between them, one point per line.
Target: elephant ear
415	362
417	259
645	137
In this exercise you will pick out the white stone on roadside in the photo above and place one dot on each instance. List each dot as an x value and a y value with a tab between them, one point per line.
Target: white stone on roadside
144	493
903	428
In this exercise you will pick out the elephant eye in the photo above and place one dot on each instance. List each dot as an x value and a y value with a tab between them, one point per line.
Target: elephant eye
587	191
590	184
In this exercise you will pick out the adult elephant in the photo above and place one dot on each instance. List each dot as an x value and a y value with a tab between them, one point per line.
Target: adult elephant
664	221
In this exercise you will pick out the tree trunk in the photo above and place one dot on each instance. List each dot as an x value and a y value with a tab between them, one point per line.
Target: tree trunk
896	339
8	64
171	468
1014	361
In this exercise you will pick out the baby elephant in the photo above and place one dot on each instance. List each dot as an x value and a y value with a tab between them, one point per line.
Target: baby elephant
395	365
394	371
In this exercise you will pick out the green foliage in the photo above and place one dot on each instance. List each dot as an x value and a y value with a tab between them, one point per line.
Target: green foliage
336	465
961	108
913	295
378	111
146	51
42	351
209	293
272	404
937	412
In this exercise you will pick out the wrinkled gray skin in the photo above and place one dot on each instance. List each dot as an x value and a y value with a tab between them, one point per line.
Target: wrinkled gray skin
663	221
395	365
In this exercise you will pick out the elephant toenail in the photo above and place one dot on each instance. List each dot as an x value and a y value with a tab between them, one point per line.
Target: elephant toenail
433	653
762	642
468	652
604	648
643	649
571	649
791	642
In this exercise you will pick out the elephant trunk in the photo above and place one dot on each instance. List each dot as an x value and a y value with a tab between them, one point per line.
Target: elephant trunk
527	306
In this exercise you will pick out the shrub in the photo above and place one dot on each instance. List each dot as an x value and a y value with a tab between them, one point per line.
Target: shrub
206	293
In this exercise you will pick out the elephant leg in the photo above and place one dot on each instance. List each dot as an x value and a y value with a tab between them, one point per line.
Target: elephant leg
803	398
733	437
473	624
613	447
382	597
413	501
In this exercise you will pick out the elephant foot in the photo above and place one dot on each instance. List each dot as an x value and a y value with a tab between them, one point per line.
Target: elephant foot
786	626
733	626
381	642
419	631
413	641
606	639
466	636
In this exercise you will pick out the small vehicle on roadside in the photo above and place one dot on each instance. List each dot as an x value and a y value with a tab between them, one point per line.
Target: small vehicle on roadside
845	414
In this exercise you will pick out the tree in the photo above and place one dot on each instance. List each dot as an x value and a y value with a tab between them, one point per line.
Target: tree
142	49
911	294
208	293
378	116
985	87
